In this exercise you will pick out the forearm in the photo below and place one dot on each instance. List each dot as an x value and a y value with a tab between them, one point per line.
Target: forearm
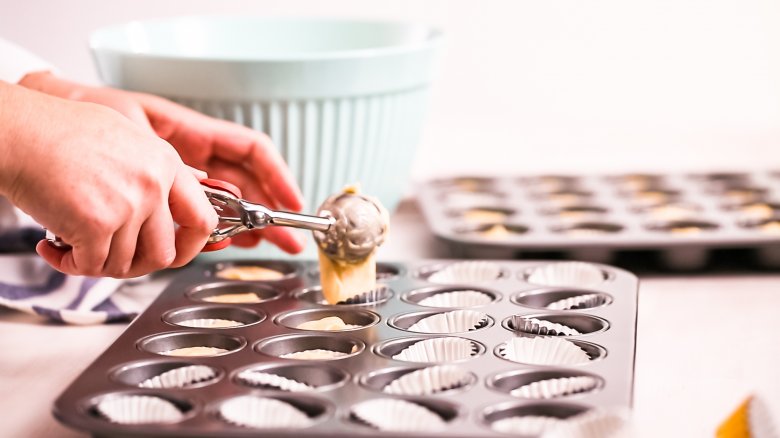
10	112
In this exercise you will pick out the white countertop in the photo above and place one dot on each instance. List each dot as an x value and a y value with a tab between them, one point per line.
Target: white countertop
704	342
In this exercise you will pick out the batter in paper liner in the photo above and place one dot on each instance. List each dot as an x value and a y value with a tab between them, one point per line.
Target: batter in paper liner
347	251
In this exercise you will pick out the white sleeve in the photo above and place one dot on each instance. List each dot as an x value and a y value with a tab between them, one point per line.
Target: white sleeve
16	62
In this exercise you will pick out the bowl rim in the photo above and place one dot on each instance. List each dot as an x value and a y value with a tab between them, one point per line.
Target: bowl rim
432	40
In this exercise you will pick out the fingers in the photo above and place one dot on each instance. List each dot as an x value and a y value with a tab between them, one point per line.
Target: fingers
122	250
194	214
238	144
156	247
199	139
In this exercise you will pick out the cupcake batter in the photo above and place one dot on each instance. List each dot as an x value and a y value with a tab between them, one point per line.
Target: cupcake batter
771	227
758	211
329	323
250	273
497	231
484	215
194	351
318	354
347	251
239	298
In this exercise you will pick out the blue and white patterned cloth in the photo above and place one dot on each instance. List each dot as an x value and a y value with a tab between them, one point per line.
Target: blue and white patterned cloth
29	284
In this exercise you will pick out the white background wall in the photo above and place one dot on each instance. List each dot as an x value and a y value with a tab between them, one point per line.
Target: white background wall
529	86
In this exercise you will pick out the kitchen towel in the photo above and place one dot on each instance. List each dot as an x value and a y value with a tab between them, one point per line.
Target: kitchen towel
29	284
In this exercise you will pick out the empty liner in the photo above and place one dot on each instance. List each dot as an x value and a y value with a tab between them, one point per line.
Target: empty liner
460	298
315	354
526	425
552	388
466	272
259	378
594	423
138	409
455	321
181	377
437	350
263	413
396	415
542	327
584	301
567	274
210	323
543	351
429	380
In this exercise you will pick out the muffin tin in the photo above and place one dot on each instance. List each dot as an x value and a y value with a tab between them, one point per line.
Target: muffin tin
487	385
681	216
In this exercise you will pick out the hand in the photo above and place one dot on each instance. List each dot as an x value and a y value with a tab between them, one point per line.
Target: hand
108	188
225	150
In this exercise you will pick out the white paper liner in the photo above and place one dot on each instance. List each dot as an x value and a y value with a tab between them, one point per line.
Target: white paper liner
584	301
437	350
595	423
263	413
180	377
376	295
558	387
466	272
196	351
428	381
543	351
459	298
567	274
259	378
395	415
542	327
455	321
315	354
531	425
210	323
138	409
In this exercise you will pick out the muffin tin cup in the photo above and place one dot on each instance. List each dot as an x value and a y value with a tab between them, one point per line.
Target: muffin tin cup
457	376
682	217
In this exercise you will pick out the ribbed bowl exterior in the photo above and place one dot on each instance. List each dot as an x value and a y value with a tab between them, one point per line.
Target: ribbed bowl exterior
329	143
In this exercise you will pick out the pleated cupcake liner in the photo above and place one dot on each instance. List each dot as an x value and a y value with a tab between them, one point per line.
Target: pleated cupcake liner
314	354
270	380
181	377
379	294
584	301
557	387
542	327
263	413
455	321
567	274
594	423
430	380
196	351
210	323
543	351
526	425
466	272
460	298
437	350
329	323
394	415
138	409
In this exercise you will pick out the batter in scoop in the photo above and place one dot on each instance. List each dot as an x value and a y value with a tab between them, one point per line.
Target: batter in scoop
347	250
